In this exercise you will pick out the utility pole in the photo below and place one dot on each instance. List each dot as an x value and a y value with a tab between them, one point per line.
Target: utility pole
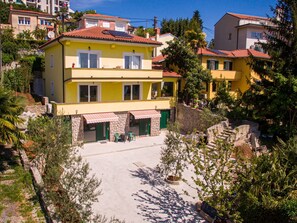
155	22
1	71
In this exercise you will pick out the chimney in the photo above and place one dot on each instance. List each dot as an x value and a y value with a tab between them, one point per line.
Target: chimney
147	35
157	31
10	7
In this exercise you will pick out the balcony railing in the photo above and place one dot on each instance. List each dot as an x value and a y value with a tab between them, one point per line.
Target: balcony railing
111	74
226	74
122	106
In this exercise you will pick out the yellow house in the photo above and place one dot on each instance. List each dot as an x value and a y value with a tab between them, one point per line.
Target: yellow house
230	66
103	80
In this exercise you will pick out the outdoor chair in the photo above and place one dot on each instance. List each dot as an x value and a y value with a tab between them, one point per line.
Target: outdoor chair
131	136
117	137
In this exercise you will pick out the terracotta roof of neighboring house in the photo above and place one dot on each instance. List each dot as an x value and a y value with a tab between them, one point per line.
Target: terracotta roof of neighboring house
18	11
249	17
159	59
99	33
166	73
233	53
106	16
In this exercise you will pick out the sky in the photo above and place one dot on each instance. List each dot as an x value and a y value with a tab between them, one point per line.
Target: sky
142	12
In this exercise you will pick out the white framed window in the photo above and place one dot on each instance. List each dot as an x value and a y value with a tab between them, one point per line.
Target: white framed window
212	64
256	35
24	21
89	58
120	26
51	61
132	91
133	61
88	93
106	24
91	23
228	65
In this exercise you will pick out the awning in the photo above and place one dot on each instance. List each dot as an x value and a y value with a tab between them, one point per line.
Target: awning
144	114
101	117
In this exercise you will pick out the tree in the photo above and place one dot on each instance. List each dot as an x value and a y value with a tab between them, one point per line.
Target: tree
181	58
173	155
68	184
39	34
214	172
275	95
141	31
267	186
10	109
25	35
211	44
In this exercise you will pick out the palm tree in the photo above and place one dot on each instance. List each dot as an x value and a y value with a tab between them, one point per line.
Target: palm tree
10	108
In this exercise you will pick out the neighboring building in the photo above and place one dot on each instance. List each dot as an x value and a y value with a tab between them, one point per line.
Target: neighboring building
163	38
236	31
105	21
13	1
230	66
103	80
21	20
48	6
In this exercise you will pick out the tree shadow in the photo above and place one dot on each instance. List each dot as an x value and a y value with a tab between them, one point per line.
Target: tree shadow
162	204
8	158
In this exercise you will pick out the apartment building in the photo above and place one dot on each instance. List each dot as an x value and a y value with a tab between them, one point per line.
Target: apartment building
48	6
104	21
164	39
21	20
237	31
103	79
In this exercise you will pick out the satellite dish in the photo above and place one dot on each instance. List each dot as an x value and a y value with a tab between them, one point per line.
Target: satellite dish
51	34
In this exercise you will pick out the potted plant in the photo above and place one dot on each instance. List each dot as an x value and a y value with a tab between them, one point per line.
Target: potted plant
173	155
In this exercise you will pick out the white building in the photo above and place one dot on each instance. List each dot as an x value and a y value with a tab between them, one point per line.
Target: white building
48	6
164	39
237	31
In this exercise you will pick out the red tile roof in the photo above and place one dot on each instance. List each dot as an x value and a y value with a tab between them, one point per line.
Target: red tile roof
166	73
99	33
106	16
159	59
233	53
249	17
28	12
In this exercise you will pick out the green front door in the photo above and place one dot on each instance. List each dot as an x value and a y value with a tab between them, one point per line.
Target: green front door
165	116
144	127
102	131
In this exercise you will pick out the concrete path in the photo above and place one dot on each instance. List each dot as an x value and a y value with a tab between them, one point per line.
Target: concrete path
132	188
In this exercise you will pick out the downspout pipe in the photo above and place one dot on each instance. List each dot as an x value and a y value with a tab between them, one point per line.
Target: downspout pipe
63	68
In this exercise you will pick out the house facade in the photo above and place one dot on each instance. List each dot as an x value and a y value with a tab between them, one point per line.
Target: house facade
104	21
229	66
237	31
164	39
103	79
21	20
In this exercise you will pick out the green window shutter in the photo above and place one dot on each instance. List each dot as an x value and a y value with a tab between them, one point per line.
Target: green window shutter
208	64
225	65
230	65
216	65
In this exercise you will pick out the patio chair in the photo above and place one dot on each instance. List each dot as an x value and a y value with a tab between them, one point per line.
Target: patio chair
131	136
117	137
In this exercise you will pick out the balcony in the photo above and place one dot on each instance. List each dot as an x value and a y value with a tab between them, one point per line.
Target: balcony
122	106
107	74
226	75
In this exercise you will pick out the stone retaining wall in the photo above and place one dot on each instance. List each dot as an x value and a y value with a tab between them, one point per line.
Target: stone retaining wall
155	126
120	126
77	129
215	130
